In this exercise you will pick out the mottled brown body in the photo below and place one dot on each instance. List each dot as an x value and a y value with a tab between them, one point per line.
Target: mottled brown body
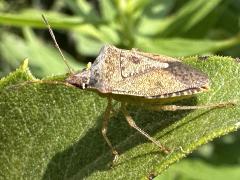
133	75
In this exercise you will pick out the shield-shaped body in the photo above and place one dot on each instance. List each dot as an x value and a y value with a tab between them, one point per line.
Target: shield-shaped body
130	75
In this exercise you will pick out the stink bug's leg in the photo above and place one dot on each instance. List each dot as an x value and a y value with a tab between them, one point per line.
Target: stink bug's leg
175	107
133	124
105	126
55	82
39	81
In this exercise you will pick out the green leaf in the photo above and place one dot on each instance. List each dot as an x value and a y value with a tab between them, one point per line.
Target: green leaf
158	9
184	46
87	30
83	9
108	10
51	131
87	45
32	17
83	44
45	59
182	21
198	169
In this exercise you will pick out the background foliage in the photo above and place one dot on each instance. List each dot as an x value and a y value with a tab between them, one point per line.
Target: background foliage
176	28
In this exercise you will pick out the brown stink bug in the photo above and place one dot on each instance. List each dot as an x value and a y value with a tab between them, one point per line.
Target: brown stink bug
132	76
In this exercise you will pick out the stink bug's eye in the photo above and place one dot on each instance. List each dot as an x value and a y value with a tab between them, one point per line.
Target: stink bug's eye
85	80
80	80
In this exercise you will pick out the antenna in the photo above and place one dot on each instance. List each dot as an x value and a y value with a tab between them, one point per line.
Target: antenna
55	42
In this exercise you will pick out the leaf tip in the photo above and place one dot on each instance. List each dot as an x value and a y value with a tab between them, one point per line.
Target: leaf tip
24	64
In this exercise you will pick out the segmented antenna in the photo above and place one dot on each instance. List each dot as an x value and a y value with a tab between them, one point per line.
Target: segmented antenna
55	42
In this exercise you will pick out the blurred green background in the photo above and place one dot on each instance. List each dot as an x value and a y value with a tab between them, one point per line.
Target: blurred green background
171	27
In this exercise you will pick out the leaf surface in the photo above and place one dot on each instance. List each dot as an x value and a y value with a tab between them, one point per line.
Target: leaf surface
50	131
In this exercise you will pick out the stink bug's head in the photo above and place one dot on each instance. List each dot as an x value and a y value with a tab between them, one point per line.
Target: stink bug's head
80	79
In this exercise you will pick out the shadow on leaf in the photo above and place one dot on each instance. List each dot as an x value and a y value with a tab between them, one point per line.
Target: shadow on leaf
91	153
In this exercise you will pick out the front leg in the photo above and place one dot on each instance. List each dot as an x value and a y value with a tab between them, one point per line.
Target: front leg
106	119
16	86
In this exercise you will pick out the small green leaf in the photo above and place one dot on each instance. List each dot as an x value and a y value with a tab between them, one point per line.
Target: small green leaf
84	9
32	17
51	131
84	42
88	45
183	46
157	9
108	10
182	21
45	59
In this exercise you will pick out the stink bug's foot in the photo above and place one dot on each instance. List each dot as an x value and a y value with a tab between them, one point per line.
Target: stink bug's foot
112	163
162	148
115	156
226	105
165	149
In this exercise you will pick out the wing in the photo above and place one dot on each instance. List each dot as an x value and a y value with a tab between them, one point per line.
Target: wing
135	73
176	79
132	64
